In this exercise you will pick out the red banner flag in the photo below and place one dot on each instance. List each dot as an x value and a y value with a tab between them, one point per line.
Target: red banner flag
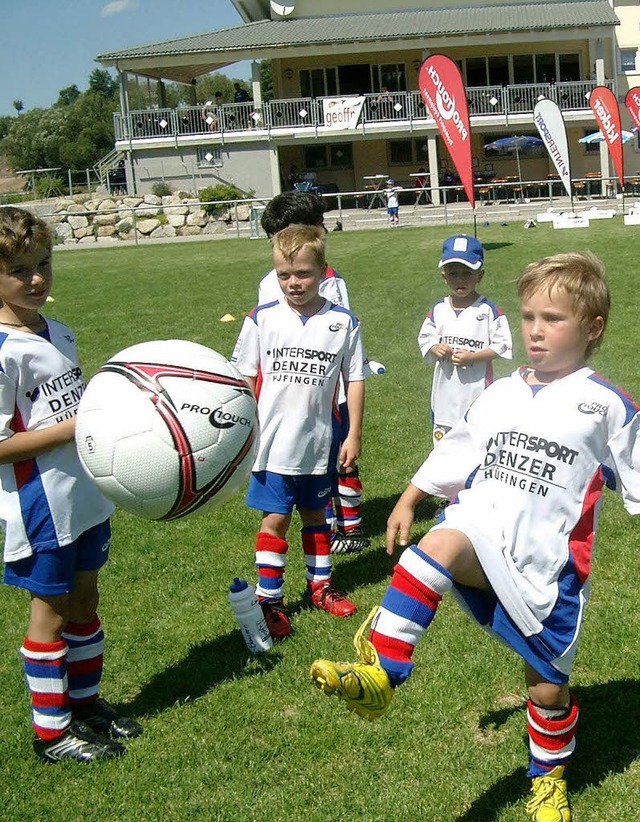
632	102
607	113
442	90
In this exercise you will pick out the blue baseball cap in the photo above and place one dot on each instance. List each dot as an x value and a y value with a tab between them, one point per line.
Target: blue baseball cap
462	249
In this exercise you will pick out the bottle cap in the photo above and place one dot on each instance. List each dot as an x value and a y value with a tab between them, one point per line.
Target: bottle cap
238	585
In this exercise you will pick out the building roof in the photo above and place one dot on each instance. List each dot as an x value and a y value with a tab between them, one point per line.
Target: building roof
186	57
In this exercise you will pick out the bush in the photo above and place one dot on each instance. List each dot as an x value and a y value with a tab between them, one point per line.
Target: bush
161	189
219	193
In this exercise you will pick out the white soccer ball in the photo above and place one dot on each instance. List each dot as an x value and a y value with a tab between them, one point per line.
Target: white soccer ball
167	428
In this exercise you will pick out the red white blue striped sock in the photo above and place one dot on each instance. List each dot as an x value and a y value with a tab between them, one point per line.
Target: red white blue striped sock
271	552
552	736
316	544
45	671
348	502
84	660
407	608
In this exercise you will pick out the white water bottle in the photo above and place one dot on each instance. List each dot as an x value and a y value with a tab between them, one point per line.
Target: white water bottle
376	367
251	621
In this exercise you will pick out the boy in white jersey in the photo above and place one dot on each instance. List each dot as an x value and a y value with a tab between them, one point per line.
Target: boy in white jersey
293	353
344	509
526	467
55	522
461	334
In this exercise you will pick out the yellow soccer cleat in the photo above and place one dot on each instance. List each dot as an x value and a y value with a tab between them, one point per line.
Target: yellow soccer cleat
363	685
549	802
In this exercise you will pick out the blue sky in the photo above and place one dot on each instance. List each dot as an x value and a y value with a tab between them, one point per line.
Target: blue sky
47	45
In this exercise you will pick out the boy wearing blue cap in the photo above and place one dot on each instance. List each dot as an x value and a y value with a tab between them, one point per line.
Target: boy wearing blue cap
462	334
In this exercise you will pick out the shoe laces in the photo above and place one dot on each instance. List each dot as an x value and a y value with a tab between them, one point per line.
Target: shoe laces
330	593
544	790
364	648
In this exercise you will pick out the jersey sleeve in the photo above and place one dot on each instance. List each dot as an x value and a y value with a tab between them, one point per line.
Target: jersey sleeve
500	337
8	390
428	336
353	360
624	463
246	353
334	289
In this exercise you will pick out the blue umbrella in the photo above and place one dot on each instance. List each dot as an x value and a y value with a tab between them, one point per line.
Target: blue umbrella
598	137
517	143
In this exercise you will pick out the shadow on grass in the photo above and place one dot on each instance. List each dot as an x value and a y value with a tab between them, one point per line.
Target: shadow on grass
205	666
373	564
608	742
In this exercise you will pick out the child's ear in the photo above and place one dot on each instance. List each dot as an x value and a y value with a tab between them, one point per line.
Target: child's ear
480	274
596	327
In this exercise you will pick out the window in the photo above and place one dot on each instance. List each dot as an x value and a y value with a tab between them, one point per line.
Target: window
590	148
317	157
209	158
498	70
522	69
341	155
569	68
391	76
628	60
408	152
319	82
545	68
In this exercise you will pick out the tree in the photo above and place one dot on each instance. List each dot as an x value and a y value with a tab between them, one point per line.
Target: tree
68	95
266	80
18	105
103	83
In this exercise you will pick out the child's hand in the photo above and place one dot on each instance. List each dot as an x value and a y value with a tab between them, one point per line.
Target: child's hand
441	351
460	358
399	525
349	453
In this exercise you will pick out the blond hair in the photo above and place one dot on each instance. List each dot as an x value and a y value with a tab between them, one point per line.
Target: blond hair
20	232
293	238
580	275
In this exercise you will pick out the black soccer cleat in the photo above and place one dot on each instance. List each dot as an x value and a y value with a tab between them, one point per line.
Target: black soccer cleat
103	718
78	742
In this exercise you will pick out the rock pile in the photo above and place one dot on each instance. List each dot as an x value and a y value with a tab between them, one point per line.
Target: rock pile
83	220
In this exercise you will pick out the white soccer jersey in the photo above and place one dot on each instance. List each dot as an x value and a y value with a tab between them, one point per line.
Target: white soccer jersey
49	500
297	361
528	468
332	288
481	325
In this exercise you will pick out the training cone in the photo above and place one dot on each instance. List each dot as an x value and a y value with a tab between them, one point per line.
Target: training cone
227	318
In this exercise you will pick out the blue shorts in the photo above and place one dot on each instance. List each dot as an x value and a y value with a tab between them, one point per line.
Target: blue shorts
52	572
280	493
392	211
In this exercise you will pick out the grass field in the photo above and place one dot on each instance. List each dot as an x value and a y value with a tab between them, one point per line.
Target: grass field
234	737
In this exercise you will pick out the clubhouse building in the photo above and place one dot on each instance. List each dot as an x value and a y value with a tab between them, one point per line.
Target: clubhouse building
346	111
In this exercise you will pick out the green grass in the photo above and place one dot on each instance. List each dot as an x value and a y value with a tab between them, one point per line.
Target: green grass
234	737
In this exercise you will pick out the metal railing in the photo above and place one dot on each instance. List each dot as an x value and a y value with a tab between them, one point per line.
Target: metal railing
307	112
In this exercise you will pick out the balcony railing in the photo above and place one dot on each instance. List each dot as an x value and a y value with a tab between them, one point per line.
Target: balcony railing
307	112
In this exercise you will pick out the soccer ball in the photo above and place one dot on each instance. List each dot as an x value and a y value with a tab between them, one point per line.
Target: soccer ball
167	428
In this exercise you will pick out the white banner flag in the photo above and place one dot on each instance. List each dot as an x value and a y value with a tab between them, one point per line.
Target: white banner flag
550	123
341	112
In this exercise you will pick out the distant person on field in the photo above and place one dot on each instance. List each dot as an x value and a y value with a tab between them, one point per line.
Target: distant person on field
462	334
344	511
527	467
391	195
55	521
293	352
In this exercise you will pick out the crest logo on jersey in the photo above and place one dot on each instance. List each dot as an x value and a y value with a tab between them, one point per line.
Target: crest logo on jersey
593	408
337	326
